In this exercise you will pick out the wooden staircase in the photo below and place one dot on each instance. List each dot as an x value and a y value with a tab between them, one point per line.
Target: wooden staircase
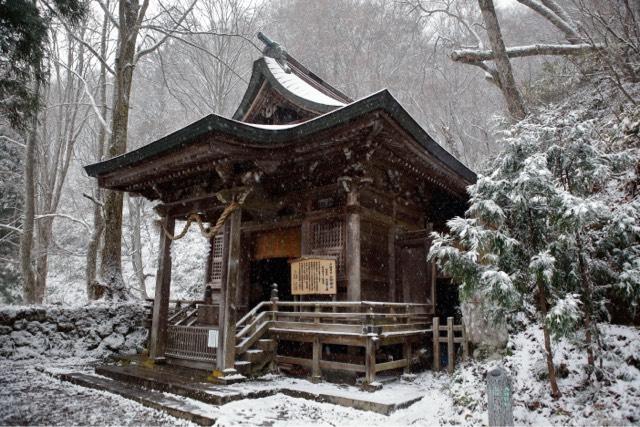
255	351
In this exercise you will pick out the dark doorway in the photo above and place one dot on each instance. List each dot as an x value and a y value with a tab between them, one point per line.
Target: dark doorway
266	272
447	302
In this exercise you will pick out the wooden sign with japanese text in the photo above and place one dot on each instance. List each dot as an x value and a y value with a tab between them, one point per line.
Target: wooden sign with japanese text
313	276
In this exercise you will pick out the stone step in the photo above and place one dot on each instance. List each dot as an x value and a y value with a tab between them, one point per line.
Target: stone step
180	408
192	386
254	355
243	367
267	344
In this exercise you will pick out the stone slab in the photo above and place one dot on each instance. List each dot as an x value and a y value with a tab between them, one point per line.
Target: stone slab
179	408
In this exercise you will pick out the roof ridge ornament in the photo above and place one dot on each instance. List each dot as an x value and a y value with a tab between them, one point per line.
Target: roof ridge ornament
274	50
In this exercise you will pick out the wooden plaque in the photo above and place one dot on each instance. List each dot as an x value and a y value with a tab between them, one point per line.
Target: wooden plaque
313	275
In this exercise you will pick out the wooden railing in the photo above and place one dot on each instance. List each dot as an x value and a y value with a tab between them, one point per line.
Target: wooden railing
366	324
450	339
190	343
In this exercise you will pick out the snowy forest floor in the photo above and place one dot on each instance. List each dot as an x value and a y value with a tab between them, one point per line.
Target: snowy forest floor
30	396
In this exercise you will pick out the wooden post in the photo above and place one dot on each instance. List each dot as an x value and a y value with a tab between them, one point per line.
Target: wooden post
434	282
451	355
370	361
317	355
499	403
406	354
352	258
465	343
391	248
233	277
223	295
158	340
317	310
436	343
274	302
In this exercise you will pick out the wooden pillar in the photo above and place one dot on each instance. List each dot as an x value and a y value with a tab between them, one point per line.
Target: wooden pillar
317	355
352	256
370	361
227	351
451	354
436	343
391	248
407	355
158	340
223	297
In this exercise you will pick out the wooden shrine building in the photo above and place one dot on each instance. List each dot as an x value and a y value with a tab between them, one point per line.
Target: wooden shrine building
301	173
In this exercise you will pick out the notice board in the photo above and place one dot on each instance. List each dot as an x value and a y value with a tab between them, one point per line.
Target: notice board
313	275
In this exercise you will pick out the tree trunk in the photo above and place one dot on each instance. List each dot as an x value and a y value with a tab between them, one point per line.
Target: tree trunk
505	73
111	259
44	229
587	302
136	245
542	300
92	253
31	294
98	219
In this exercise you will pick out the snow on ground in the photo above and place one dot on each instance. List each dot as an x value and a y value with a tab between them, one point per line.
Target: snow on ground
614	399
32	397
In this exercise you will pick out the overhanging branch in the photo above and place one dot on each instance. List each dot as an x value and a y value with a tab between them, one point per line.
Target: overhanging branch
470	56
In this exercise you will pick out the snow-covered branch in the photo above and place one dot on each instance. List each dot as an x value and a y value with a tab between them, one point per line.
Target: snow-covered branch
166	35
69	217
11	228
13	141
570	33
469	56
92	101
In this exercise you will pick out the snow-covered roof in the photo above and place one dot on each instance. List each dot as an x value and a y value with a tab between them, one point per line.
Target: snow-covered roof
270	135
295	85
292	81
272	127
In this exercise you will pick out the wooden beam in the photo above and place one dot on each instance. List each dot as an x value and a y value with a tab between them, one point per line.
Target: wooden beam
158	340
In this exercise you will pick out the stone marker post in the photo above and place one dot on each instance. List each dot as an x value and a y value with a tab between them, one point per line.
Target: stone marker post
499	398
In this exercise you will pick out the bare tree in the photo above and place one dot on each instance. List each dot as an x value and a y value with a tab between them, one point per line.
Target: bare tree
31	294
98	218
505	74
135	222
64	116
131	17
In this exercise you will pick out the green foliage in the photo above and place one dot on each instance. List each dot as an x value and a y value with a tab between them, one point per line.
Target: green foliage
10	213
550	213
23	37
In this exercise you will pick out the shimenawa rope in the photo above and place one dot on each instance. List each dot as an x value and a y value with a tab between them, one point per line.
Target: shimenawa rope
211	232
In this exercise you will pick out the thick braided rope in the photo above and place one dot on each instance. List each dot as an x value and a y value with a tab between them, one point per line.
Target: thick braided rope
208	233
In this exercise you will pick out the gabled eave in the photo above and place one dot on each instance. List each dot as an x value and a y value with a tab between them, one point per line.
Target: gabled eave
261	74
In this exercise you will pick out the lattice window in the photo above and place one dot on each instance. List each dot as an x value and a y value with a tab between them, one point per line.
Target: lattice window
328	239
216	260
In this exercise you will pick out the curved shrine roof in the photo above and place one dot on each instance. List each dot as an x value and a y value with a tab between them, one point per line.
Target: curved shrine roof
271	135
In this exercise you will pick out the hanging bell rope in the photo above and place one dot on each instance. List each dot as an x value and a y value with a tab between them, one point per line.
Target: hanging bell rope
205	231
